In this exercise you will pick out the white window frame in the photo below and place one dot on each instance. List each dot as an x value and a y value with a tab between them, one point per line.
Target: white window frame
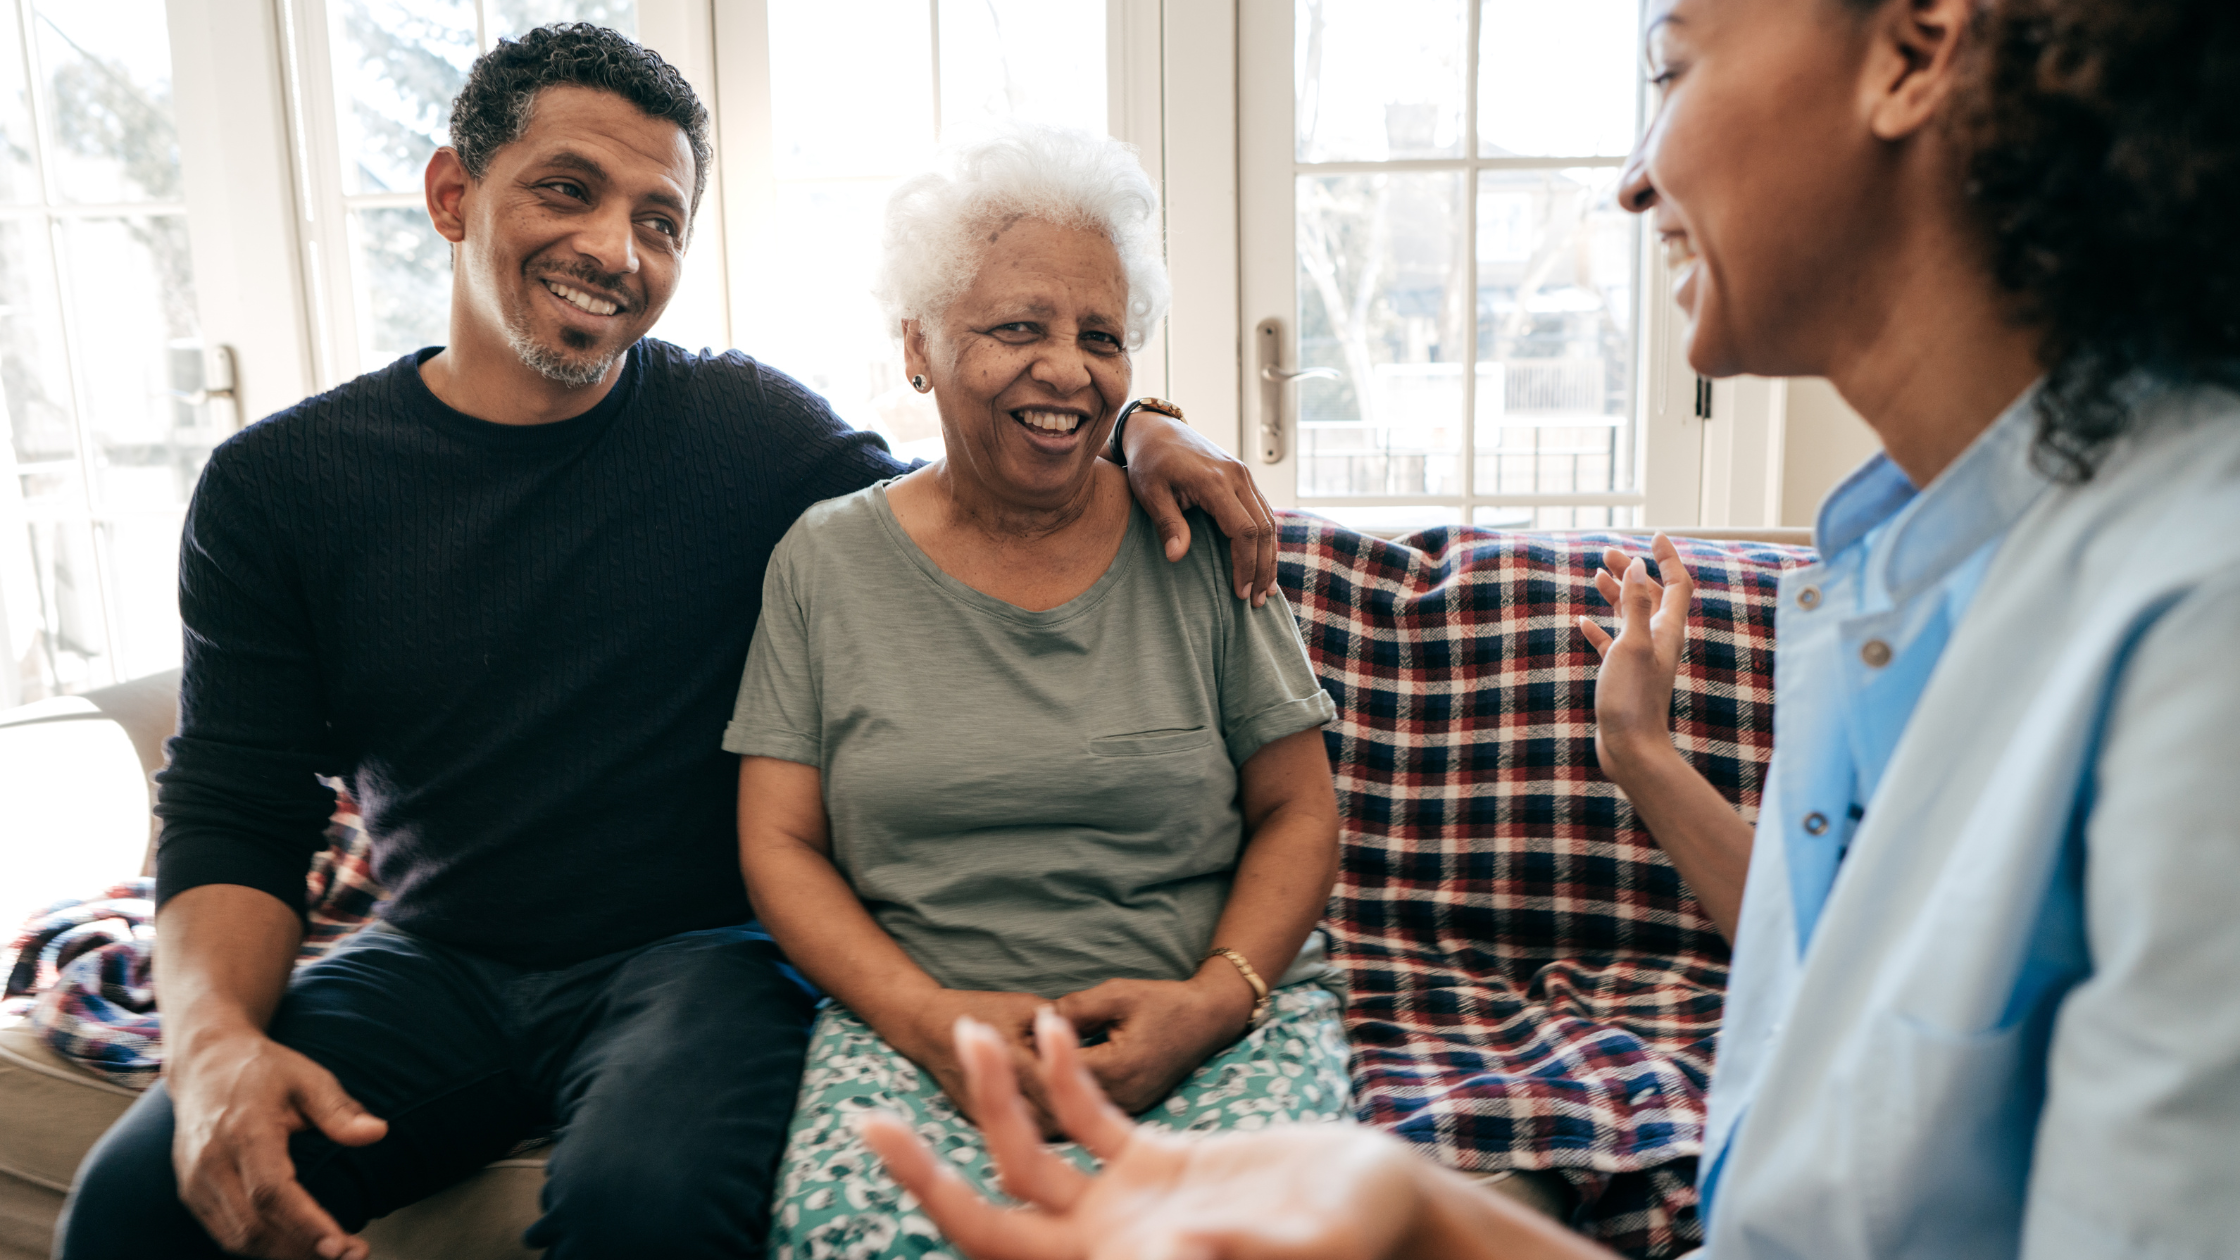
262	201
1723	470
239	215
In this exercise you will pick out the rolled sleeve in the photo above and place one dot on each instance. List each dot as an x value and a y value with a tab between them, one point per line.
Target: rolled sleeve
778	713
1268	688
2134	1148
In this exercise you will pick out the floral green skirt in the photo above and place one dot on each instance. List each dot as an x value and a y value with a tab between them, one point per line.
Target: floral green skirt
835	1201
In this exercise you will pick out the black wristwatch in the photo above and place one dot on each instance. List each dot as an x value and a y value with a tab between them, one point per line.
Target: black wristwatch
1120	426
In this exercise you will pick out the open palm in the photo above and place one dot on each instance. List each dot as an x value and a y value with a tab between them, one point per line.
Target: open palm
1293	1192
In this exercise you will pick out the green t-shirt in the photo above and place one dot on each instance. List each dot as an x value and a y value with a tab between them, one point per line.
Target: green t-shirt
1026	801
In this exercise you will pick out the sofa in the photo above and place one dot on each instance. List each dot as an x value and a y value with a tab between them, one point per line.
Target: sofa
1535	993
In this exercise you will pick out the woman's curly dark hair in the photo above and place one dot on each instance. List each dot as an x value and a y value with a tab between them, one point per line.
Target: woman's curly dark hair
2103	149
493	109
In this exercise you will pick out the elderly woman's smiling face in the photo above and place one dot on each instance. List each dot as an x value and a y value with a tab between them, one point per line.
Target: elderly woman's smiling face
1030	365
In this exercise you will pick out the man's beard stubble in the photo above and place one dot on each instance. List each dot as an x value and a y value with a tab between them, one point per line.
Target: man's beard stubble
572	371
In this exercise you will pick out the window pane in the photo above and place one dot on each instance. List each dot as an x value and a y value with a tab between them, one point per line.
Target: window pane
108	73
402	273
1557	517
1040	59
852	113
820	325
1558	80
512	17
398	63
1388	521
1379	79
851	88
19	175
140	569
1555	340
69	650
141	348
1380	301
33	373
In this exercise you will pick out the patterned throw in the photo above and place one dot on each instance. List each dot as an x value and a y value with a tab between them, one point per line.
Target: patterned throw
83	967
1533	987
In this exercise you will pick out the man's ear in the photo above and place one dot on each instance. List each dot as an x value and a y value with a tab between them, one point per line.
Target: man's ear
1913	63
447	183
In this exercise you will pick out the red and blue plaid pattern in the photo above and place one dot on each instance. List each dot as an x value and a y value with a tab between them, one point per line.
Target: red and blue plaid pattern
84	968
1533	986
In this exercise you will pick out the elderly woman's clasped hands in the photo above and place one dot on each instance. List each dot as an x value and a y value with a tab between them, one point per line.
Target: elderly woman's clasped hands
1148	1035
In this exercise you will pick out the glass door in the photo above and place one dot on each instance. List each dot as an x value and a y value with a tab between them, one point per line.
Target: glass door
1448	307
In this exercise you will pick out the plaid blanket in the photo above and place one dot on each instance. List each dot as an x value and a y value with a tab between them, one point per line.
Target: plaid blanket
83	968
1533	986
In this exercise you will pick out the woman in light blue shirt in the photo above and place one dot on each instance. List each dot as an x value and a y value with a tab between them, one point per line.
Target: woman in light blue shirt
1984	999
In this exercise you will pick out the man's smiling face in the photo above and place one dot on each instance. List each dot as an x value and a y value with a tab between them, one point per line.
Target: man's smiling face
575	233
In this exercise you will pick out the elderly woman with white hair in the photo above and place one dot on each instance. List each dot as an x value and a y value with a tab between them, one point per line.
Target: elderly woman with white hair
998	756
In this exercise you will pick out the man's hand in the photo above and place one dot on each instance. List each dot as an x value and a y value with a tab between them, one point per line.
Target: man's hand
928	1039
1156	1032
1171	467
1633	692
1291	1192
237	1098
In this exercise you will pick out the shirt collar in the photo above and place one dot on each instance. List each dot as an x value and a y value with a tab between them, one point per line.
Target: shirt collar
1974	500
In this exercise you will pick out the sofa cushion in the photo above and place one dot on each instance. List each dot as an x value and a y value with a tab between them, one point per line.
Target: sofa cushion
1533	985
55	1111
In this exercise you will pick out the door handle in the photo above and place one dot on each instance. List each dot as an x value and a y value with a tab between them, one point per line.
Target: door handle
1274	394
230	391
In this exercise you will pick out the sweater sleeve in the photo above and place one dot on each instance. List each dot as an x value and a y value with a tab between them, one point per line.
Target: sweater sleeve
240	800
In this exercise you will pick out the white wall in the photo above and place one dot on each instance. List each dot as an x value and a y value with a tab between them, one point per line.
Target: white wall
1826	439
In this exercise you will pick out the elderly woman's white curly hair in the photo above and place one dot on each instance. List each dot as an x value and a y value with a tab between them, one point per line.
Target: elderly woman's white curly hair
1061	175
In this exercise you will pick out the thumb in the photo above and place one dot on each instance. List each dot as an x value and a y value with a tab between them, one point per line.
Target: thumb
1637	598
1093	1008
336	1113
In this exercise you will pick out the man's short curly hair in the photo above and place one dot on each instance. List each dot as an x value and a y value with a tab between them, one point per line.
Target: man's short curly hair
2103	149
494	108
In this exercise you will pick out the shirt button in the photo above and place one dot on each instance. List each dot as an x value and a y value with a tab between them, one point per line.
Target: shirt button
1808	598
1876	654
1815	824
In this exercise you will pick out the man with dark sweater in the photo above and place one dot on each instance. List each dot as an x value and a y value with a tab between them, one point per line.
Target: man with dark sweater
503	589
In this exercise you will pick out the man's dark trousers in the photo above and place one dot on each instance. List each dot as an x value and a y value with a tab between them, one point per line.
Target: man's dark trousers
668	1072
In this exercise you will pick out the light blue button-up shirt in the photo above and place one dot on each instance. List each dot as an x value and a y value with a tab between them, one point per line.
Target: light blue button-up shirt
1923	946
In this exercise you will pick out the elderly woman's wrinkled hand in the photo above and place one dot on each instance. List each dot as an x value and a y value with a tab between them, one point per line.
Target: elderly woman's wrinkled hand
929	1040
1155	1032
1303	1192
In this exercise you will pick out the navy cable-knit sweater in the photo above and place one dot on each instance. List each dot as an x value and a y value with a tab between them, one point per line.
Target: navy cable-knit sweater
518	644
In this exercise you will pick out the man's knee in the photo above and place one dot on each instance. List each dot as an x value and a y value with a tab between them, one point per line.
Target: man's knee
125	1201
675	1109
646	1195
